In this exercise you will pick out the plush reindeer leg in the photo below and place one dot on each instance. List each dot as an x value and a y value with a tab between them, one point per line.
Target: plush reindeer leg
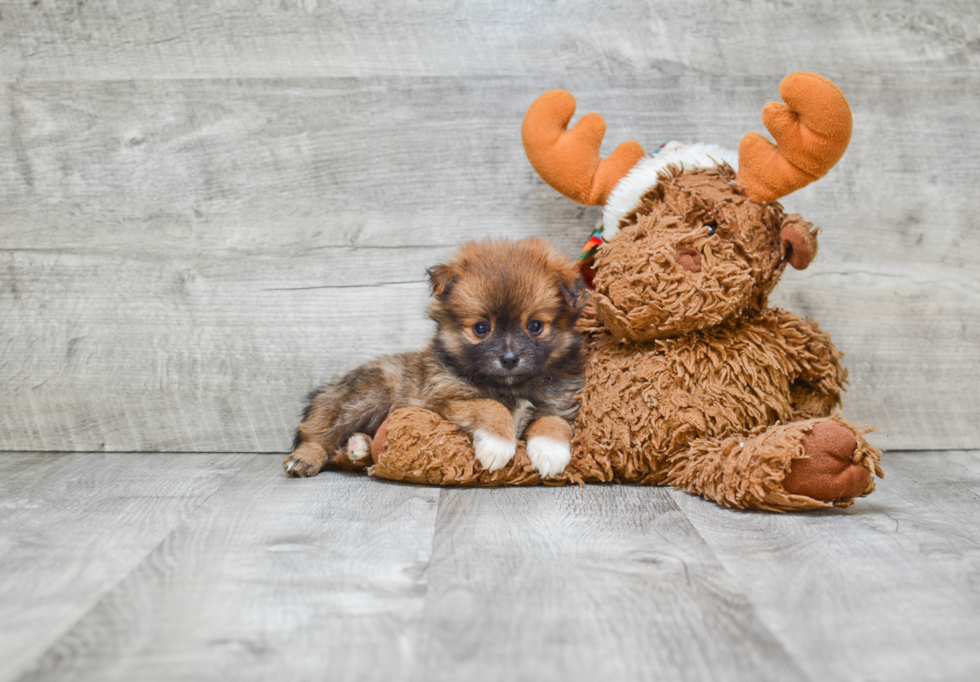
808	464
418	446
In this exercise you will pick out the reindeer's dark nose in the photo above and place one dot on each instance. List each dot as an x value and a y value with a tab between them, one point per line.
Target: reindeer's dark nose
509	360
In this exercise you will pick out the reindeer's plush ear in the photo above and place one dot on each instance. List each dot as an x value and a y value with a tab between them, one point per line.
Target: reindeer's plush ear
799	241
441	279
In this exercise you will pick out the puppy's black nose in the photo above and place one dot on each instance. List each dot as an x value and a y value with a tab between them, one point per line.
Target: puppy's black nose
509	360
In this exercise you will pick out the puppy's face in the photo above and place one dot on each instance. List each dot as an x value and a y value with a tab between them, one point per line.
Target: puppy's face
506	311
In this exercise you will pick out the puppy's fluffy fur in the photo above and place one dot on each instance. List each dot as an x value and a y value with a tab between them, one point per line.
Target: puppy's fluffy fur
505	360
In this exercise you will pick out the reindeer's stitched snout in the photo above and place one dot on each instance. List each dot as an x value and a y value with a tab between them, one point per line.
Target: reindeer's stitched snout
695	253
689	259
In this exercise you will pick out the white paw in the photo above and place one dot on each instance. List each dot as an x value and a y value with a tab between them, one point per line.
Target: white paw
358	447
492	451
549	456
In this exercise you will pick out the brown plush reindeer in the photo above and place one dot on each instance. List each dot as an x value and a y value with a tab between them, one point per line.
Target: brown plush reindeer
692	380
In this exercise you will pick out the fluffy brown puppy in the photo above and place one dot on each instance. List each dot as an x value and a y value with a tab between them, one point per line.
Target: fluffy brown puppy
505	357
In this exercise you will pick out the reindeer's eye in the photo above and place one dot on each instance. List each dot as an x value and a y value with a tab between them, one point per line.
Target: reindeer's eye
481	329
712	228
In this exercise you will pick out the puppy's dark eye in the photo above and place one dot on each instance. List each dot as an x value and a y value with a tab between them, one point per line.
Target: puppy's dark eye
481	329
712	228
535	326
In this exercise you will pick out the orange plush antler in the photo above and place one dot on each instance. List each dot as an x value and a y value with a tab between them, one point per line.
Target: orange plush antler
812	131
569	160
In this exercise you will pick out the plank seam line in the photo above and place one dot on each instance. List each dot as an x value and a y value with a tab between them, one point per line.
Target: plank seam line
347	286
417	630
28	672
269	453
737	587
964	73
417	634
262	453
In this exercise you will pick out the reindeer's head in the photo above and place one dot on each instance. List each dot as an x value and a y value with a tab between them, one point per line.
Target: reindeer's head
688	242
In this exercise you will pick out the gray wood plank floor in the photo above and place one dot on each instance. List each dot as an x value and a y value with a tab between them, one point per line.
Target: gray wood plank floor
216	567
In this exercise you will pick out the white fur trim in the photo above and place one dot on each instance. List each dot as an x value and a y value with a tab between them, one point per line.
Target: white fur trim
492	451
625	196
549	456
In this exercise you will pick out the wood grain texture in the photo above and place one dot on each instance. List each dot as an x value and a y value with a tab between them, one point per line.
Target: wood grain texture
271	578
290	167
65	40
116	567
198	203
596	583
75	525
887	590
187	328
217	354
337	577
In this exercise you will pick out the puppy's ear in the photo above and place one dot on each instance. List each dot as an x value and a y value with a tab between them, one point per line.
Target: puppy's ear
441	279
570	284
565	270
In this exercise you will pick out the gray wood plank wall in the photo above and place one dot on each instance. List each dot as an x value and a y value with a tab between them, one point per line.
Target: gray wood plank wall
206	209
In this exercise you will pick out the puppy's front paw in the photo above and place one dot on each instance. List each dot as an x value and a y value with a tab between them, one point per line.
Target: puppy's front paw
493	452
549	456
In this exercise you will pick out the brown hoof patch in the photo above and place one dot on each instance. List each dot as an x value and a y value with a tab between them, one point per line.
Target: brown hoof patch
827	473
